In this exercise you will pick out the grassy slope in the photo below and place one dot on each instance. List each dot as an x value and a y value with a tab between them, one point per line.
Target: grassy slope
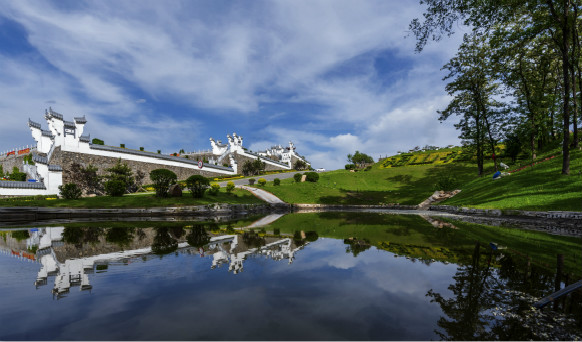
539	188
404	185
137	201
542	187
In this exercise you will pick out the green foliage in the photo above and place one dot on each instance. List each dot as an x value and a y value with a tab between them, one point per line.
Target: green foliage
141	148
16	175
311	176
446	182
123	173
276	182
162	179
20	235
159	151
368	168
122	145
350	166
251	168
512	146
70	191
96	141
360	159
115	187
181	151
262	181
86	178
297	177
230	186
1	171
28	159
214	189
252	181
197	185
300	165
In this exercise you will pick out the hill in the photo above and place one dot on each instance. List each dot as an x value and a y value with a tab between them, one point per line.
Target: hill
412	177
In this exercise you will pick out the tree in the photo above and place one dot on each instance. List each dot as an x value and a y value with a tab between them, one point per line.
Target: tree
360	159
197	185
198	236
70	191
473	91
86	178
123	173
557	19
162	179
252	168
300	165
16	175
512	146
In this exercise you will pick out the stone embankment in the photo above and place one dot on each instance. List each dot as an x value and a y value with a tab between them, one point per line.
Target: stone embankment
14	215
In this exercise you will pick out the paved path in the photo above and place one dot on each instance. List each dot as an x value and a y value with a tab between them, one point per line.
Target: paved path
265	220
262	194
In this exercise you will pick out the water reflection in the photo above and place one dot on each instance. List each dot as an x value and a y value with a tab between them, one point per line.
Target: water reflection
378	276
69	254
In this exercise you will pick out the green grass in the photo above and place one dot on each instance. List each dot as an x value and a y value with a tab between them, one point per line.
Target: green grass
541	187
403	185
138	201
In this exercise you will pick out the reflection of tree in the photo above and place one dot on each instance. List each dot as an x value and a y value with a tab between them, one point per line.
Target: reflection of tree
79	235
198	236
252	239
177	231
496	305
163	242
356	246
20	235
120	236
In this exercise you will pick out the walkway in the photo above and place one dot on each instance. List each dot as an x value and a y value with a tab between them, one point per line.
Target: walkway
262	194
245	181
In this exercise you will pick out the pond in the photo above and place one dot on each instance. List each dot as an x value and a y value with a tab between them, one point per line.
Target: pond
309	276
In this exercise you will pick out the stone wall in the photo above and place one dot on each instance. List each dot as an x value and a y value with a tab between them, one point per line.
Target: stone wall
241	159
66	159
9	162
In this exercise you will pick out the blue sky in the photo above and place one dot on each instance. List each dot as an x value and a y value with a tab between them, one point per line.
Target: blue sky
332	76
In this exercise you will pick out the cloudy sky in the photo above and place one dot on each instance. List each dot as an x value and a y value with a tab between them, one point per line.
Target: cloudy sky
331	76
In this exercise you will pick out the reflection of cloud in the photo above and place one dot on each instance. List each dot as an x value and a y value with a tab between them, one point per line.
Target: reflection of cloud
140	101
313	298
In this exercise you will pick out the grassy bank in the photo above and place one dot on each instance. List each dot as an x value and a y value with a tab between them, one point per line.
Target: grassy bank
541	187
137	201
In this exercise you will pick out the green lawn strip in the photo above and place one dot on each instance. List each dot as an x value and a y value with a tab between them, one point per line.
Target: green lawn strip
541	187
143	201
413	236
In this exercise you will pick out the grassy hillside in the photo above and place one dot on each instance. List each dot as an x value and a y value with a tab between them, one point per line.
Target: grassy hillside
410	178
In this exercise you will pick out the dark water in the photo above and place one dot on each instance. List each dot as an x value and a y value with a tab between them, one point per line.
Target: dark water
303	277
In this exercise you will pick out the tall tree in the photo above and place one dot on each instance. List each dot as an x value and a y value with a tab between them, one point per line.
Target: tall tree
474	92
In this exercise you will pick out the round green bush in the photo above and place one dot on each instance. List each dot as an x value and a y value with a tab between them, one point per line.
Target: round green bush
197	185
297	177
214	189
70	191
262	181
115	187
276	182
252	181
311	176
162	179
230	186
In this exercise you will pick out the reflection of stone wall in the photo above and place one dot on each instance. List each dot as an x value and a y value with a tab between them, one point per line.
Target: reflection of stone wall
65	159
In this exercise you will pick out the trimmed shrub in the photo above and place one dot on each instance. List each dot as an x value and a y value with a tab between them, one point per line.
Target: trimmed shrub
311	176
197	185
122	145
252	181
115	187
162	179
276	182
230	187
214	189
70	191
262	181
297	177
16	175
159	151
96	141
141	148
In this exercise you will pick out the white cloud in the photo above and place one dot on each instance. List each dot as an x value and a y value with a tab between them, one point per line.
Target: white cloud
232	59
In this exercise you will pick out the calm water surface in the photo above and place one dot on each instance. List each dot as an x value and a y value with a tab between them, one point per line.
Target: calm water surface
320	276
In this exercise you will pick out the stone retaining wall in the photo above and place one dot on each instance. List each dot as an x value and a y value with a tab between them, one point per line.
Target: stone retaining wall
315	207
568	215
15	215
